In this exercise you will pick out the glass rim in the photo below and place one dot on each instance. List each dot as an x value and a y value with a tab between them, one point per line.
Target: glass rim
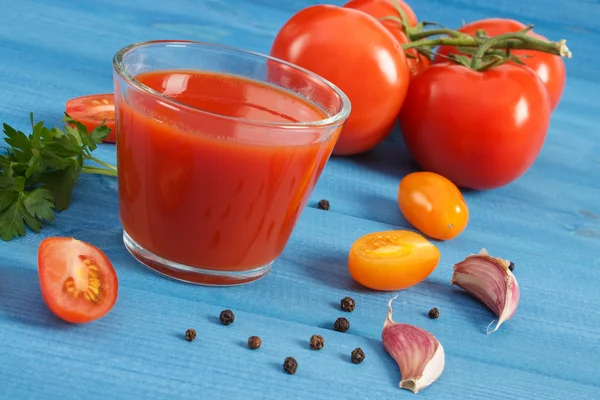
340	116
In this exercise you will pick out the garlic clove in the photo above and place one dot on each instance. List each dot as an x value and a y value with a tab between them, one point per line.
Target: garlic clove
490	280
418	353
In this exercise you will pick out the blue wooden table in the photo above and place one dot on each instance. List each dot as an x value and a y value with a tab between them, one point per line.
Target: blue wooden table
548	223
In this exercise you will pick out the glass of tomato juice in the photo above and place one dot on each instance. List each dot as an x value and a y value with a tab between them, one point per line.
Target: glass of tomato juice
218	151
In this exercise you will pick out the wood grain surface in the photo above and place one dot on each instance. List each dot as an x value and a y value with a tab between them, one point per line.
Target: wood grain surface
548	223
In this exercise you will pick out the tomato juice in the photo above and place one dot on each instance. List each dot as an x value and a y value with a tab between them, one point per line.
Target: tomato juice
209	176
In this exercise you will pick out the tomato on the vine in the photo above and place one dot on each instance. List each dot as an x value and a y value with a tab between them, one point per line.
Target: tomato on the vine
356	53
416	61
392	260
91	110
433	205
481	130
550	68
385	8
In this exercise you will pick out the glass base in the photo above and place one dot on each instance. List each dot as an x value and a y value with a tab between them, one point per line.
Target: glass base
185	273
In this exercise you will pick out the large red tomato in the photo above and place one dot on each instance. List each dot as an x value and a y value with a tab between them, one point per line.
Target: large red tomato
481	130
355	52
417	62
550	68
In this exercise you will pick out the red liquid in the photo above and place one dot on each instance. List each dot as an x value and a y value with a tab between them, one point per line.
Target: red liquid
212	192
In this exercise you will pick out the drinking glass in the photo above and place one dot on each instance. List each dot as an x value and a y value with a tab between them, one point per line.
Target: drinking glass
218	151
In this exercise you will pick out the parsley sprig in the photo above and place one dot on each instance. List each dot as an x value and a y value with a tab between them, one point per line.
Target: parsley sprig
39	171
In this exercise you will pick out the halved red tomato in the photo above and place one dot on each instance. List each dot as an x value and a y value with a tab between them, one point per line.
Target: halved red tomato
92	110
78	281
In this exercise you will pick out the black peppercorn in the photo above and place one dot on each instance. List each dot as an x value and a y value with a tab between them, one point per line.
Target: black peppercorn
323	204
226	317
317	342
341	324
190	335
434	313
254	342
511	266
290	365
348	304
358	355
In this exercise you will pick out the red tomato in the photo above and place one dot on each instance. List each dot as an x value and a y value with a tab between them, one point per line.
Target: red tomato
78	282
91	110
416	61
386	8
550	68
481	130
356	53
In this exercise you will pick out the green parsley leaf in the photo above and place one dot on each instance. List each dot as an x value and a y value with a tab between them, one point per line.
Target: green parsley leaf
61	183
11	222
90	140
39	203
7	198
78	125
39	172
18	142
19	207
6	173
96	136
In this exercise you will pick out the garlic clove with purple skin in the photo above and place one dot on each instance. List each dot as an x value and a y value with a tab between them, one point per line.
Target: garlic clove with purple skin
490	280
418	353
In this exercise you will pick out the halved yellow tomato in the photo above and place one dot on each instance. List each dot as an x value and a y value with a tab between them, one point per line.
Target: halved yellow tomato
392	260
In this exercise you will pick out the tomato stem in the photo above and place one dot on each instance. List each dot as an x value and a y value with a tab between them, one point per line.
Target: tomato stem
519	40
403	15
391	18
481	45
401	19
435	32
514	40
495	61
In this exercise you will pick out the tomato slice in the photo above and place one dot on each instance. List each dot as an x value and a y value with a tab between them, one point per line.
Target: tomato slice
392	260
78	282
92	109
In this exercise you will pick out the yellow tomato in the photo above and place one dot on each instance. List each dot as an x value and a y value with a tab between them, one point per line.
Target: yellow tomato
433	205
392	260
